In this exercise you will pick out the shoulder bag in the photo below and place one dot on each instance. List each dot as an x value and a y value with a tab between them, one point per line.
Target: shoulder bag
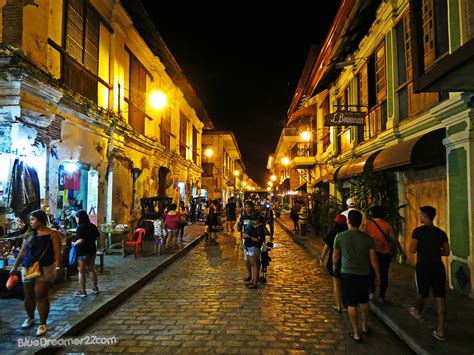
33	271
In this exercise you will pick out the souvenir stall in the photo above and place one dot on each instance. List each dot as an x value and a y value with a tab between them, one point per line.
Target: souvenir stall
22	182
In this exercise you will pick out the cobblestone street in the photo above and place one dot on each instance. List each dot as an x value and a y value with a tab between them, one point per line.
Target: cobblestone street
200	305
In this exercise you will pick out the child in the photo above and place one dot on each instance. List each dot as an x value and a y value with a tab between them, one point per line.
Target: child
159	234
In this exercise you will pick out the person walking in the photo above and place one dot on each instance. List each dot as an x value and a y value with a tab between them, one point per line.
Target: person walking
352	206
254	238
43	245
159	234
172	226
340	225
231	215
183	220
212	223
430	243
295	216
86	251
355	251
384	236
192	211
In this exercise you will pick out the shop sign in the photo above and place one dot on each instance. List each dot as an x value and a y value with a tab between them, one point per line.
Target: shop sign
345	118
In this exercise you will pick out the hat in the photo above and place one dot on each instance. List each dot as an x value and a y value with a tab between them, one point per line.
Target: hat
340	219
350	202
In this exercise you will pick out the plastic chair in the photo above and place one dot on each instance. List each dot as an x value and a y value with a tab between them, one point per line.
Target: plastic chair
138	235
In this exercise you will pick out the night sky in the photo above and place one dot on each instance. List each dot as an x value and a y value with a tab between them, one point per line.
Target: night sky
244	62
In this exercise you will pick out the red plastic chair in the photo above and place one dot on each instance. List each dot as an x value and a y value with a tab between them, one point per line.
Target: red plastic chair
138	235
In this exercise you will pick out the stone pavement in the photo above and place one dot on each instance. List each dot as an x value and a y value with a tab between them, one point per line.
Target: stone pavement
200	305
69	314
401	294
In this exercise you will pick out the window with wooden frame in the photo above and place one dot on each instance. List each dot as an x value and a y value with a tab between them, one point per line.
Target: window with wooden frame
165	127
183	132
80	49
435	30
409	103
326	129
195	146
362	101
377	92
137	94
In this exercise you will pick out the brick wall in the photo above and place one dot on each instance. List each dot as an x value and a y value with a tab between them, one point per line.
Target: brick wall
12	15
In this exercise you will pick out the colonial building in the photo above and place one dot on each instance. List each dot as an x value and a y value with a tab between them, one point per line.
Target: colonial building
222	164
82	100
389	117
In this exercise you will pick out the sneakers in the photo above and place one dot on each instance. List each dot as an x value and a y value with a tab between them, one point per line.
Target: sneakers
80	293
95	290
28	323
42	329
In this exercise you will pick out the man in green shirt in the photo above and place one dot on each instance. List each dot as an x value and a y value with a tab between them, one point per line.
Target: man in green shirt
357	250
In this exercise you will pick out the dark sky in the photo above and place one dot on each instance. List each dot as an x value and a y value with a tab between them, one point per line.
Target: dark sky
244	62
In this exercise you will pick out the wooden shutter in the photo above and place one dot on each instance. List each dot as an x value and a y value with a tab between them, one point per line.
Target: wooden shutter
380	77
91	40
195	146
183	122
428	32
75	29
407	43
137	92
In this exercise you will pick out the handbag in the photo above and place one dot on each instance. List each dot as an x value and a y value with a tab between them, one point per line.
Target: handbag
394	247
33	271
72	255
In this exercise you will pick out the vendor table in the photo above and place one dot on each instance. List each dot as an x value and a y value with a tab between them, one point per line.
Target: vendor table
118	247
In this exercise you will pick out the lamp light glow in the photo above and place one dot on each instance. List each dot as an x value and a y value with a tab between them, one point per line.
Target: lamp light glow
273	178
285	161
208	152
306	136
158	100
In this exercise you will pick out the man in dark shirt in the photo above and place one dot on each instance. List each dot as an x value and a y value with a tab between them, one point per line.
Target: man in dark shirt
230	210
430	243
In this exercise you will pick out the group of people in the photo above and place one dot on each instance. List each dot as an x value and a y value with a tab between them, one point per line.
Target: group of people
43	245
358	253
169	226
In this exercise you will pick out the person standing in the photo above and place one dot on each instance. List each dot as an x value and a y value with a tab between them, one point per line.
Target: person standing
430	243
254	238
43	245
172	226
192	211
339	226
86	251
303	219
244	220
183	219
159	234
231	215
384	236
355	251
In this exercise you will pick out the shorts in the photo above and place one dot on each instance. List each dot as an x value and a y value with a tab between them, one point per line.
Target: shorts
48	273
354	289
431	277
252	251
89	259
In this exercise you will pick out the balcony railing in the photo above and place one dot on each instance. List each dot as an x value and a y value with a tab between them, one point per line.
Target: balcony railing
300	152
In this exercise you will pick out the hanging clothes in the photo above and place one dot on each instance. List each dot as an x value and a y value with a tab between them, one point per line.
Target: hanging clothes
24	195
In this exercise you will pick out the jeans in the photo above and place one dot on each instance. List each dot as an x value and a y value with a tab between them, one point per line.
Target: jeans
384	265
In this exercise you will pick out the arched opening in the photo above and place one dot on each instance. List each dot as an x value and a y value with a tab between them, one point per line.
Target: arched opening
163	180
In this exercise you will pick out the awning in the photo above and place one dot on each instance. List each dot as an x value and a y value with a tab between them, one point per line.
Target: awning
422	152
302	187
355	167
303	115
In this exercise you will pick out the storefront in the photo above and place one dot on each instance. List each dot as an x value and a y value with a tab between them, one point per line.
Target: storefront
78	189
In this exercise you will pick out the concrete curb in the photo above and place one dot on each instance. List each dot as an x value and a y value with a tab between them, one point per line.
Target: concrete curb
105	308
410	341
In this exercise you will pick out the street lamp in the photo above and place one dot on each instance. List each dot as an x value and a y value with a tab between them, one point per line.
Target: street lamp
269	188
273	178
208	152
244	183
285	161
270	183
236	173
158	100
306	136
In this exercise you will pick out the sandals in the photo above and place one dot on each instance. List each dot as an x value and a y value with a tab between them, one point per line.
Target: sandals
337	309
358	341
252	286
437	336
414	313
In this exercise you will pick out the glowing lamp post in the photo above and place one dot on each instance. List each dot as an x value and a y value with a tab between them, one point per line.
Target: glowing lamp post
209	152
158	100
306	136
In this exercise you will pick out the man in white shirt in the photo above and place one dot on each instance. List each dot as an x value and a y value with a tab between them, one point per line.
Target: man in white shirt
351	205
